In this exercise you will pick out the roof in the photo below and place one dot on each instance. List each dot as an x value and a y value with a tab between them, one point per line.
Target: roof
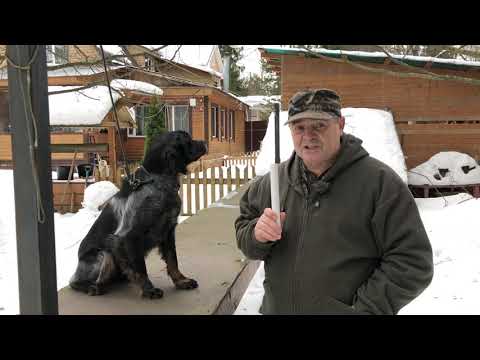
259	100
87	107
378	57
77	70
136	86
196	56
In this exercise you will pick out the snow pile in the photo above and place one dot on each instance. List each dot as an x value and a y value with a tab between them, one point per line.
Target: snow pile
375	127
446	168
82	107
140	86
97	194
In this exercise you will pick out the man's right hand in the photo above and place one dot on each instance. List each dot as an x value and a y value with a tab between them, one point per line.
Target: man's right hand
266	228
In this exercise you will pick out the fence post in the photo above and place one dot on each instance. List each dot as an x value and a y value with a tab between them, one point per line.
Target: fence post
220	180
237	177
229	179
213	180
205	190
189	193
197	191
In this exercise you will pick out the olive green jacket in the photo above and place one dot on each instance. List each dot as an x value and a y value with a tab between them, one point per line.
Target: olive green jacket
356	246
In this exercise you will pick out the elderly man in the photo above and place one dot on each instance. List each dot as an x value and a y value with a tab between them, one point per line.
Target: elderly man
351	239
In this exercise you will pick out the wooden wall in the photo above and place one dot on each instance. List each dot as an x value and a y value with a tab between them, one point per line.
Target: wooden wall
431	116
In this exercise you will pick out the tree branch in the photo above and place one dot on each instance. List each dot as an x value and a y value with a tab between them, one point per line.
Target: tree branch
436	77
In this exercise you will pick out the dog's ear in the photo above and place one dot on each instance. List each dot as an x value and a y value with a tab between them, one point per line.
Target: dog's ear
175	160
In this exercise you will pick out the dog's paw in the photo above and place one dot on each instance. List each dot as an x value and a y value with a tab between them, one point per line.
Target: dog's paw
152	293
186	284
95	290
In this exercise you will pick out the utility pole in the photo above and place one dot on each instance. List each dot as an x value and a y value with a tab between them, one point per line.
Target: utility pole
29	118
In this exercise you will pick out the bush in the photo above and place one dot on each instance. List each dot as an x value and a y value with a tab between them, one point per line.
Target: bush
155	116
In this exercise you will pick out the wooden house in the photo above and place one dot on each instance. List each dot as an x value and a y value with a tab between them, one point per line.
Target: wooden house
430	115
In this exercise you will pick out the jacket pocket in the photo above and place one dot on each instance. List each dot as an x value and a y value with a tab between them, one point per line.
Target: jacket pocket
328	305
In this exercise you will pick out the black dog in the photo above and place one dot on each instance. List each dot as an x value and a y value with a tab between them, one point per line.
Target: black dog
141	216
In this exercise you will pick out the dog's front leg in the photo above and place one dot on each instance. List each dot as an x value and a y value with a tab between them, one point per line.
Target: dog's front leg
169	254
132	262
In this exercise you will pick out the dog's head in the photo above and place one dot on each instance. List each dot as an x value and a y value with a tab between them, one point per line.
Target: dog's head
171	152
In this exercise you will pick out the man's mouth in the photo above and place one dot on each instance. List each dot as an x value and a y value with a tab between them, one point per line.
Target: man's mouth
311	147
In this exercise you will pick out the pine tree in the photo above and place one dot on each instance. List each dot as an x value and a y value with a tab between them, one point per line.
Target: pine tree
236	84
155	115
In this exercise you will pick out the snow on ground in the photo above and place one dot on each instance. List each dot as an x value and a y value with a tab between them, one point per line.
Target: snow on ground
70	229
445	168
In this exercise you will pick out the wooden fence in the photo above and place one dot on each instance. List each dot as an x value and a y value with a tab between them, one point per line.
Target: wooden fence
206	185
200	189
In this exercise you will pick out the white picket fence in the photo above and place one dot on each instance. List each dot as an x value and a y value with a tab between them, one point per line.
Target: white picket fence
200	189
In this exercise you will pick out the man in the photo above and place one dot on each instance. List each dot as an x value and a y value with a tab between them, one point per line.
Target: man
351	239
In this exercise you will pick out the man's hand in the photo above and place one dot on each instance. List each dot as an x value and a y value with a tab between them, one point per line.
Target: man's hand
266	228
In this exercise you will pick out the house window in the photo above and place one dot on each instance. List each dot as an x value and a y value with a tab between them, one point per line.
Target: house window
56	54
177	118
140	114
214	120
231	126
149	63
222	123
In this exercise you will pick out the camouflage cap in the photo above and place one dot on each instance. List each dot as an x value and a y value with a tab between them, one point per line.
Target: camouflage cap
314	104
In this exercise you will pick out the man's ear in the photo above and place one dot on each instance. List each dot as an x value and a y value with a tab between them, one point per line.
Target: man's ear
341	123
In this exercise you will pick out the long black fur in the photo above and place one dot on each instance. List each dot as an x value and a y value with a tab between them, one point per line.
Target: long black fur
135	221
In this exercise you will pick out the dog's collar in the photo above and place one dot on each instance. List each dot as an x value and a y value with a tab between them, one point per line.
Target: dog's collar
135	183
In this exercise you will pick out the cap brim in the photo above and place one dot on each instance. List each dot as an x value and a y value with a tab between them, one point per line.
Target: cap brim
318	115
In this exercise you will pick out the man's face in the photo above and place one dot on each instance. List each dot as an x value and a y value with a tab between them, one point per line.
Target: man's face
317	141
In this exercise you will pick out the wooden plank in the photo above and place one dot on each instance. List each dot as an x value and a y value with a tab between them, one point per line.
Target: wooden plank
438	131
212	184
236	174
71	148
189	193
221	181
205	190
229	179
197	191
181	181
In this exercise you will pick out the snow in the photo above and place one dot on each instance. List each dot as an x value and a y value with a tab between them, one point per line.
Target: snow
123	84
80	108
70	229
97	194
259	100
197	56
449	221
379	138
451	160
380	54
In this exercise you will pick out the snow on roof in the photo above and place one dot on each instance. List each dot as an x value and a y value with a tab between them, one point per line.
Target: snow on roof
377	54
196	56
77	70
133	85
259	100
446	168
80	108
375	127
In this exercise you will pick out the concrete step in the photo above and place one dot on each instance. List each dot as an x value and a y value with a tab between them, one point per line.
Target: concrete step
207	252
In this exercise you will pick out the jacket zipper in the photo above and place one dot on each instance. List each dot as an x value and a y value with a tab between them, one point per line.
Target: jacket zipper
299	248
